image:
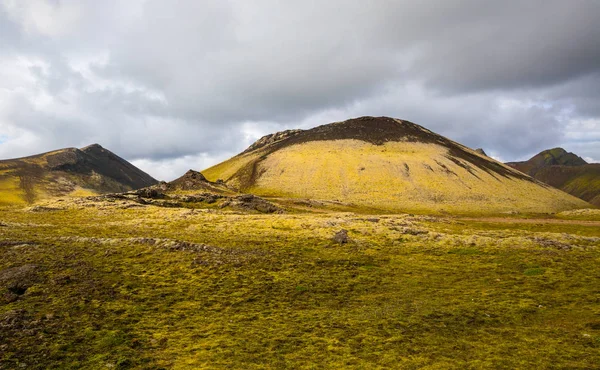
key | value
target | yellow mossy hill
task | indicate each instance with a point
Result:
(387, 164)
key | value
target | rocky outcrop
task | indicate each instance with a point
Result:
(272, 138)
(481, 151)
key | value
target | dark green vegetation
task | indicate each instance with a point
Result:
(565, 171)
(86, 171)
(153, 287)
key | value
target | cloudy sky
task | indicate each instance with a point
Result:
(175, 84)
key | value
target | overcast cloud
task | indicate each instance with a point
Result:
(172, 85)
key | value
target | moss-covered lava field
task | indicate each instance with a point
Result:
(145, 287)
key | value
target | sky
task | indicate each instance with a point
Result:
(173, 84)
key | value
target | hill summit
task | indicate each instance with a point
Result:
(385, 163)
(71, 171)
(550, 157)
(565, 171)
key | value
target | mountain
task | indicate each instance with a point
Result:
(565, 171)
(385, 163)
(86, 171)
(550, 157)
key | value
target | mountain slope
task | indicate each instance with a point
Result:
(550, 157)
(387, 164)
(565, 171)
(71, 171)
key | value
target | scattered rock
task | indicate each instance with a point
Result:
(131, 205)
(552, 243)
(177, 245)
(411, 231)
(341, 237)
(149, 193)
(252, 203)
(209, 198)
(18, 279)
(43, 209)
(272, 138)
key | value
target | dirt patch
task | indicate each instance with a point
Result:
(29, 176)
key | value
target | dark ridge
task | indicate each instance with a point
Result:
(550, 157)
(565, 171)
(481, 151)
(377, 131)
(10, 161)
(559, 156)
(92, 148)
(68, 159)
(271, 138)
(466, 167)
(95, 158)
(91, 167)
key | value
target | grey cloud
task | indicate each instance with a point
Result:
(9, 31)
(162, 81)
(291, 60)
(498, 124)
(515, 44)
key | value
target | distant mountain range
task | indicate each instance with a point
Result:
(565, 171)
(385, 163)
(86, 171)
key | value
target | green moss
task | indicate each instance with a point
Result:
(534, 271)
(274, 291)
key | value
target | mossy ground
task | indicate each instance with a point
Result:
(10, 194)
(116, 288)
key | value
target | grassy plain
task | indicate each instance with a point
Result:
(145, 287)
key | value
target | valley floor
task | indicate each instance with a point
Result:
(150, 287)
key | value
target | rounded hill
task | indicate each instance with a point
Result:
(385, 163)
